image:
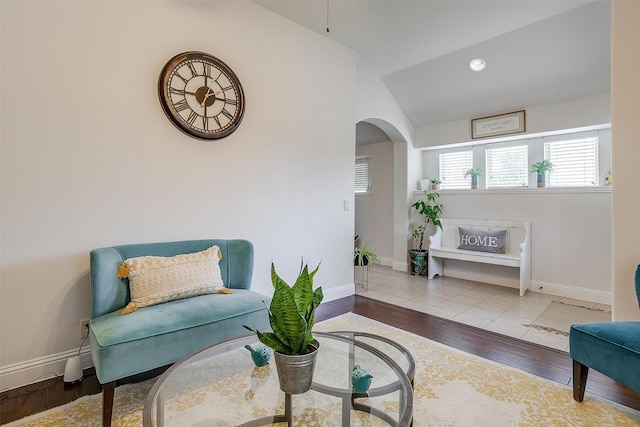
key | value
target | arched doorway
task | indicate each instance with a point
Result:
(402, 170)
(373, 211)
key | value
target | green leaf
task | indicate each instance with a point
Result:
(278, 331)
(285, 317)
(270, 340)
(318, 296)
(274, 277)
(302, 336)
(303, 291)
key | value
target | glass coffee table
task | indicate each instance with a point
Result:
(221, 386)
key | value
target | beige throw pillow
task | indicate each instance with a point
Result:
(156, 279)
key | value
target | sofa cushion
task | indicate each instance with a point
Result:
(165, 319)
(157, 279)
(161, 334)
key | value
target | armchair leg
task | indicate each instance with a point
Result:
(108, 391)
(580, 373)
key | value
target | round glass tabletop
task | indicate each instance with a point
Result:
(221, 386)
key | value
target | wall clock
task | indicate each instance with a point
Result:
(201, 95)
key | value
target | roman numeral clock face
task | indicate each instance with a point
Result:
(201, 95)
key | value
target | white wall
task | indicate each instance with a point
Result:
(376, 105)
(570, 238)
(625, 93)
(374, 211)
(89, 159)
(571, 228)
(578, 113)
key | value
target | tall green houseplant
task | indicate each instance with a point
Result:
(431, 210)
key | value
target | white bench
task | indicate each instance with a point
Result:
(444, 244)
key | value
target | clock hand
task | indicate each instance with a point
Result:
(206, 96)
(204, 118)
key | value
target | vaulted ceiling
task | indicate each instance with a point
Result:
(537, 51)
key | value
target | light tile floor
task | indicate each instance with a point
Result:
(491, 307)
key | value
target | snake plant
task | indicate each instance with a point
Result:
(291, 313)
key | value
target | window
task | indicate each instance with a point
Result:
(363, 174)
(452, 169)
(581, 158)
(507, 166)
(575, 162)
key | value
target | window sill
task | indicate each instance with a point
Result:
(546, 190)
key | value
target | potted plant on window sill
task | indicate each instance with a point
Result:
(435, 184)
(540, 169)
(428, 207)
(291, 316)
(474, 173)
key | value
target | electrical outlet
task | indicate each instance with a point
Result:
(84, 328)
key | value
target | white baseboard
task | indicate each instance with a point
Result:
(40, 369)
(387, 262)
(339, 292)
(568, 291)
(556, 289)
(483, 277)
(400, 266)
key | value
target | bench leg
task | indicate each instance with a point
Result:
(108, 391)
(434, 266)
(580, 373)
(525, 276)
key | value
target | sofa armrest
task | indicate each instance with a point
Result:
(238, 263)
(108, 293)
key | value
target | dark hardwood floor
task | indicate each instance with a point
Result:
(533, 358)
(545, 362)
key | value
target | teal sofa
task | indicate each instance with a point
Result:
(123, 345)
(611, 348)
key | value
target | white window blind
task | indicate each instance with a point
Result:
(507, 166)
(363, 174)
(452, 169)
(575, 162)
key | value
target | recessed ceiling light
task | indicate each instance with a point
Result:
(477, 64)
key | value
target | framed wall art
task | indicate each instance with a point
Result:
(501, 124)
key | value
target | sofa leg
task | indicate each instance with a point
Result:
(580, 373)
(108, 391)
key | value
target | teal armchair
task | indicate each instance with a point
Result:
(611, 348)
(159, 335)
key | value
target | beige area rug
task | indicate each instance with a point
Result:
(452, 388)
(559, 317)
